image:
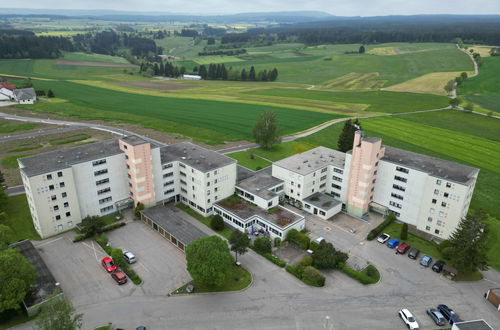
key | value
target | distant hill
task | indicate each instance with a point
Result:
(289, 17)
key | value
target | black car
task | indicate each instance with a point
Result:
(436, 316)
(438, 266)
(413, 253)
(448, 314)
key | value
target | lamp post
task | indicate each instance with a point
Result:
(327, 318)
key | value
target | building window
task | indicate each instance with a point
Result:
(397, 196)
(441, 213)
(104, 200)
(99, 162)
(399, 178)
(431, 211)
(103, 181)
(68, 214)
(49, 176)
(107, 208)
(105, 190)
(215, 172)
(336, 170)
(322, 178)
(402, 169)
(59, 174)
(324, 170)
(439, 222)
(192, 170)
(169, 191)
(446, 195)
(168, 175)
(322, 186)
(70, 224)
(438, 182)
(336, 186)
(434, 201)
(59, 227)
(395, 186)
(429, 219)
(66, 204)
(182, 165)
(58, 217)
(395, 204)
(336, 178)
(427, 228)
(436, 231)
(62, 185)
(443, 204)
(51, 187)
(64, 195)
(56, 207)
(448, 185)
(53, 197)
(101, 172)
(164, 167)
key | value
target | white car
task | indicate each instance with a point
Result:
(408, 319)
(129, 257)
(383, 238)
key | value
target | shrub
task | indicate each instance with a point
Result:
(327, 257)
(306, 261)
(102, 240)
(447, 253)
(372, 234)
(313, 246)
(371, 271)
(91, 225)
(404, 231)
(390, 218)
(81, 237)
(290, 236)
(293, 270)
(302, 241)
(369, 275)
(277, 242)
(274, 259)
(112, 226)
(262, 245)
(217, 223)
(313, 277)
(138, 208)
(117, 256)
(443, 245)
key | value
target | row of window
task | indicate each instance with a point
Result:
(103, 191)
(59, 175)
(448, 184)
(398, 187)
(103, 181)
(107, 208)
(56, 207)
(168, 191)
(54, 197)
(434, 201)
(397, 196)
(400, 178)
(395, 204)
(428, 228)
(98, 162)
(101, 172)
(402, 169)
(61, 185)
(68, 214)
(105, 200)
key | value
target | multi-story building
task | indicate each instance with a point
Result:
(63, 187)
(429, 193)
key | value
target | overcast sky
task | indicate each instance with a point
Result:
(335, 7)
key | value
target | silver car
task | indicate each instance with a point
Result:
(129, 257)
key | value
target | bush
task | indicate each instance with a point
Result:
(262, 245)
(217, 223)
(79, 238)
(313, 277)
(117, 256)
(277, 242)
(447, 253)
(290, 236)
(369, 275)
(302, 241)
(293, 270)
(404, 232)
(102, 239)
(306, 261)
(372, 234)
(371, 271)
(274, 259)
(443, 245)
(138, 208)
(313, 246)
(112, 226)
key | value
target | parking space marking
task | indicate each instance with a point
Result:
(93, 249)
(142, 265)
(49, 242)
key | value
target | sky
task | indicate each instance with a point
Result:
(335, 7)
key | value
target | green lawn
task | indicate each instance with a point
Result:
(238, 279)
(78, 56)
(11, 161)
(226, 232)
(9, 127)
(244, 158)
(376, 101)
(181, 46)
(493, 243)
(490, 101)
(19, 219)
(425, 247)
(204, 120)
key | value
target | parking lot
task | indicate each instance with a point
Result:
(77, 265)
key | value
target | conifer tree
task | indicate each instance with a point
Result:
(251, 75)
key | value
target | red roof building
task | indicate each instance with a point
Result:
(7, 85)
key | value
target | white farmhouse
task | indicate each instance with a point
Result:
(24, 95)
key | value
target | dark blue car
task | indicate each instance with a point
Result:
(393, 242)
(448, 314)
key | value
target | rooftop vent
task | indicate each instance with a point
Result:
(298, 168)
(209, 164)
(189, 158)
(400, 159)
(183, 157)
(321, 156)
(305, 161)
(258, 189)
(197, 161)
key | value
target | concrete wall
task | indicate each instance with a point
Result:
(322, 213)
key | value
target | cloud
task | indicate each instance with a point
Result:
(335, 7)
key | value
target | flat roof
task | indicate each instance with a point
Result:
(322, 201)
(279, 216)
(171, 220)
(59, 159)
(259, 183)
(243, 173)
(45, 283)
(434, 166)
(133, 140)
(473, 325)
(312, 160)
(200, 158)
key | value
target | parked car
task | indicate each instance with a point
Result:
(448, 313)
(108, 264)
(438, 266)
(129, 257)
(383, 238)
(403, 248)
(393, 242)
(408, 319)
(436, 316)
(119, 277)
(413, 253)
(426, 261)
(319, 240)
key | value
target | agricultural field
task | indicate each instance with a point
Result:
(181, 46)
(432, 83)
(78, 56)
(483, 89)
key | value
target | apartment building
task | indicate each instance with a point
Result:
(429, 193)
(63, 187)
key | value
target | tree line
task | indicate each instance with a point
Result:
(220, 72)
(165, 69)
(30, 46)
(231, 52)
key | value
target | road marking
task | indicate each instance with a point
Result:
(496, 283)
(49, 242)
(142, 265)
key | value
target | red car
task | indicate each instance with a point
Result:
(119, 277)
(402, 248)
(108, 264)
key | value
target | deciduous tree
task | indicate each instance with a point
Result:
(262, 245)
(362, 49)
(208, 260)
(267, 131)
(57, 314)
(239, 243)
(326, 257)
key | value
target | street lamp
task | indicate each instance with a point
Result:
(327, 326)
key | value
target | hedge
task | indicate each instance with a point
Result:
(363, 276)
(293, 270)
(274, 259)
(298, 238)
(81, 237)
(309, 275)
(378, 230)
(112, 226)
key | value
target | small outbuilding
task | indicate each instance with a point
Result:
(25, 95)
(45, 287)
(191, 77)
(171, 225)
(472, 325)
(493, 296)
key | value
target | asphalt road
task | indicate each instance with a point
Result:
(39, 133)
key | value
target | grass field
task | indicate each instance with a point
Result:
(378, 101)
(9, 127)
(488, 80)
(354, 81)
(489, 101)
(181, 46)
(78, 56)
(425, 246)
(493, 243)
(432, 83)
(19, 219)
(245, 159)
(210, 121)
(216, 59)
